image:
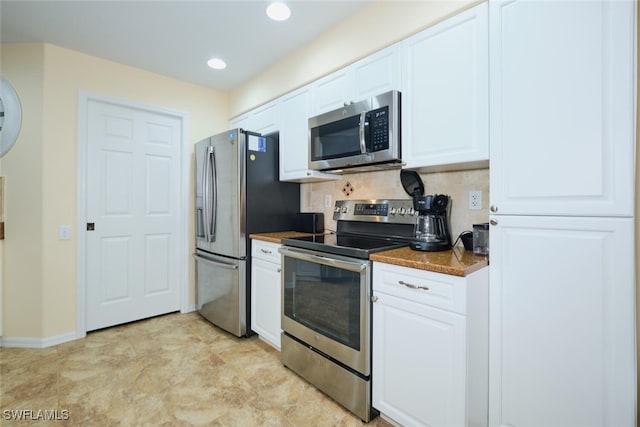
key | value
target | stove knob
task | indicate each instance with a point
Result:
(336, 209)
(344, 209)
(410, 211)
(402, 211)
(392, 211)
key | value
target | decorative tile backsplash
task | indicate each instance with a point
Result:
(386, 185)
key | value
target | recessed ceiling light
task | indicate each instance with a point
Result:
(217, 64)
(278, 11)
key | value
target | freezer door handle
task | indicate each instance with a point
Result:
(215, 263)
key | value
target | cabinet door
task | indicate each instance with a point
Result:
(332, 91)
(562, 107)
(294, 139)
(265, 300)
(445, 95)
(239, 122)
(418, 363)
(562, 322)
(264, 119)
(377, 73)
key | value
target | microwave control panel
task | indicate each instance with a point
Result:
(379, 129)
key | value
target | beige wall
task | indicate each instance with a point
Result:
(41, 172)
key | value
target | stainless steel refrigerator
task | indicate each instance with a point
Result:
(238, 192)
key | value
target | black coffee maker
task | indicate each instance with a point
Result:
(434, 215)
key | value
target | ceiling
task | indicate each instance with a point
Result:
(175, 37)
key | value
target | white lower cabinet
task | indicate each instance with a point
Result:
(562, 322)
(265, 291)
(430, 347)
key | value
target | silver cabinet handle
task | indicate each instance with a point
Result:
(264, 251)
(493, 222)
(493, 208)
(412, 286)
(279, 269)
(374, 298)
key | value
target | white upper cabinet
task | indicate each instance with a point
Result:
(375, 74)
(294, 139)
(445, 94)
(562, 107)
(239, 122)
(332, 91)
(264, 119)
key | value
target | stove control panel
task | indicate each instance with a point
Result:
(376, 210)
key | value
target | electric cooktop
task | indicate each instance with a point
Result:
(344, 244)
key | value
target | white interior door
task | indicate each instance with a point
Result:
(132, 213)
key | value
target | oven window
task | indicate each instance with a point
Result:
(336, 139)
(324, 299)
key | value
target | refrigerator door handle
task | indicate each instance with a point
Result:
(214, 207)
(209, 195)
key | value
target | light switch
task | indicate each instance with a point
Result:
(64, 232)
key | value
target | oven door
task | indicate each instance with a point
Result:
(326, 304)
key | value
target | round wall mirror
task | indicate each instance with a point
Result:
(10, 116)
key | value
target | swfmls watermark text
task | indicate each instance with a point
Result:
(35, 414)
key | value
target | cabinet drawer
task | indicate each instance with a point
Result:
(265, 250)
(435, 289)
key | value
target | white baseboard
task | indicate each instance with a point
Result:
(37, 342)
(189, 309)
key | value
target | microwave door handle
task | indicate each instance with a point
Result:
(363, 144)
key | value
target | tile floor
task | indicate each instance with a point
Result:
(173, 370)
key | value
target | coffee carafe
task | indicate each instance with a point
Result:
(434, 213)
(432, 231)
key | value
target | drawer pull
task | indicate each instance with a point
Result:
(409, 285)
(264, 251)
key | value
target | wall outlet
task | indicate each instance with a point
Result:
(327, 200)
(475, 200)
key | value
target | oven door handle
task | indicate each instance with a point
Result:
(356, 266)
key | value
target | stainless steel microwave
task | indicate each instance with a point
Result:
(360, 134)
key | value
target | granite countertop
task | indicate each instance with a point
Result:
(456, 262)
(277, 236)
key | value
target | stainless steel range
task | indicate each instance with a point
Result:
(326, 291)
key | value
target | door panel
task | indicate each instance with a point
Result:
(562, 322)
(229, 183)
(132, 198)
(219, 296)
(562, 99)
